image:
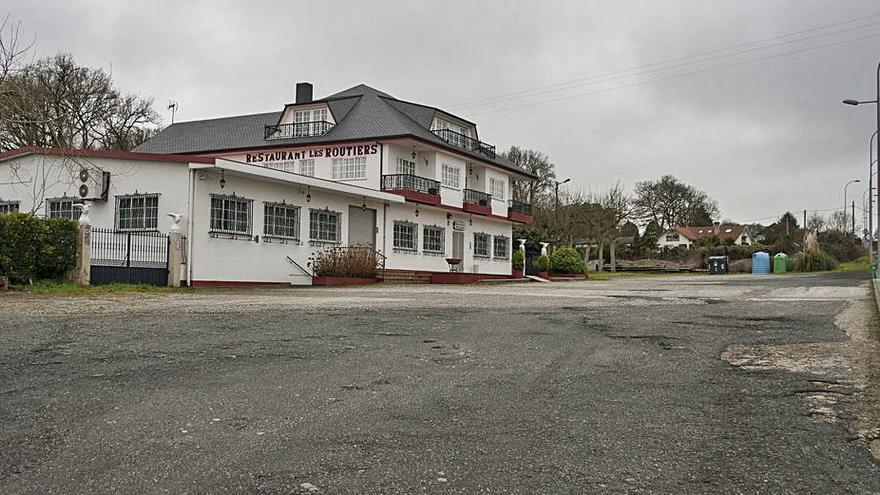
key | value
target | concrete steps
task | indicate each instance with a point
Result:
(405, 277)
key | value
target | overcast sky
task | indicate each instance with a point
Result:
(755, 121)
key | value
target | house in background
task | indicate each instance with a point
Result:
(686, 237)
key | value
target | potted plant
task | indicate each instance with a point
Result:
(544, 266)
(517, 262)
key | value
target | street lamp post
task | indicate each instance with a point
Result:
(854, 181)
(556, 185)
(877, 132)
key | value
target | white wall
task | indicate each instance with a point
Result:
(168, 179)
(420, 260)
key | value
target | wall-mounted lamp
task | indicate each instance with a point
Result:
(222, 179)
(417, 210)
(309, 194)
(364, 204)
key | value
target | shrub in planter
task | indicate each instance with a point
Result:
(566, 260)
(34, 248)
(544, 263)
(813, 261)
(517, 261)
(354, 262)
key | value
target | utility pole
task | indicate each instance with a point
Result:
(854, 217)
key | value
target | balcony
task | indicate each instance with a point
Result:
(298, 130)
(459, 140)
(477, 202)
(519, 212)
(413, 188)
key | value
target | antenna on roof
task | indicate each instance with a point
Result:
(172, 105)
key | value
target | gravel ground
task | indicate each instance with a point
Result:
(578, 387)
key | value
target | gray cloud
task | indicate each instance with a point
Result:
(760, 137)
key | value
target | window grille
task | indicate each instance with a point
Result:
(324, 226)
(231, 215)
(481, 245)
(405, 236)
(62, 208)
(433, 239)
(137, 212)
(501, 247)
(9, 206)
(281, 220)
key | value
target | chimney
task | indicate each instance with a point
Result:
(717, 227)
(303, 92)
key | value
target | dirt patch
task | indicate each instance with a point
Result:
(846, 384)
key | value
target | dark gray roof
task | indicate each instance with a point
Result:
(360, 112)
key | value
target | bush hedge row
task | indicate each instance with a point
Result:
(33, 248)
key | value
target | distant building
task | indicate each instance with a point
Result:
(686, 237)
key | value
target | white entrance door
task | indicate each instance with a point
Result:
(361, 226)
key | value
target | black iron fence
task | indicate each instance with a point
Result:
(459, 140)
(519, 207)
(298, 129)
(477, 197)
(408, 182)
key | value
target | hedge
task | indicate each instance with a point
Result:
(566, 260)
(34, 248)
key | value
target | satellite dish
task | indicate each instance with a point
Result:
(83, 175)
(83, 191)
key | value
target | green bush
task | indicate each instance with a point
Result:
(566, 260)
(34, 248)
(813, 261)
(544, 263)
(516, 260)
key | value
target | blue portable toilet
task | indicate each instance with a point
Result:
(760, 263)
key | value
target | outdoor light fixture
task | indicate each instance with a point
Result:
(222, 179)
(850, 102)
(414, 154)
(309, 194)
(364, 204)
(417, 211)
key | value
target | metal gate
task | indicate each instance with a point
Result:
(531, 261)
(129, 257)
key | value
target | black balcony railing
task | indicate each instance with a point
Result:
(519, 207)
(299, 129)
(406, 182)
(459, 140)
(477, 197)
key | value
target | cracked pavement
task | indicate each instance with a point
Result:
(734, 384)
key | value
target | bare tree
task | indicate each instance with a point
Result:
(815, 222)
(672, 203)
(533, 191)
(839, 221)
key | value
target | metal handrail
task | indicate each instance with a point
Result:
(465, 142)
(298, 129)
(291, 260)
(477, 197)
(410, 183)
(519, 207)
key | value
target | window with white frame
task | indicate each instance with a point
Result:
(451, 176)
(231, 215)
(281, 220)
(286, 165)
(324, 226)
(307, 167)
(62, 208)
(433, 240)
(481, 245)
(501, 247)
(350, 168)
(405, 236)
(496, 188)
(406, 167)
(310, 122)
(9, 206)
(137, 212)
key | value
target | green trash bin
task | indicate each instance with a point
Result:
(780, 263)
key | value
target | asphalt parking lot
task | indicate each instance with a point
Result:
(738, 384)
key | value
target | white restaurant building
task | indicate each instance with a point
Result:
(260, 194)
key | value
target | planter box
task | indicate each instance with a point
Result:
(544, 275)
(517, 273)
(325, 281)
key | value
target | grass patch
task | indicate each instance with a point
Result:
(859, 265)
(68, 289)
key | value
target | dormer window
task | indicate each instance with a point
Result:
(461, 136)
(305, 122)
